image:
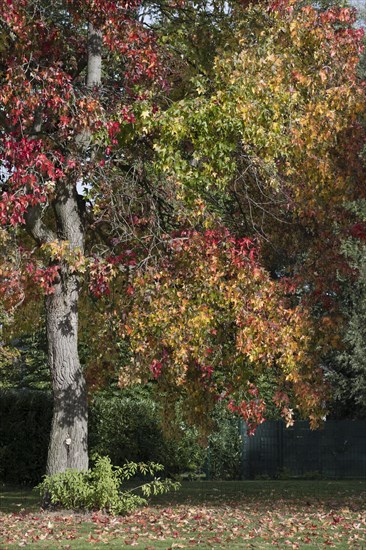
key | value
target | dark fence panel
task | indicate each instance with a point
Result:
(338, 450)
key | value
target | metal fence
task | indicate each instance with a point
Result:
(338, 450)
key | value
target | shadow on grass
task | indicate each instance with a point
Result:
(219, 493)
(16, 499)
(236, 493)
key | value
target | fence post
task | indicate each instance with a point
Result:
(279, 430)
(245, 454)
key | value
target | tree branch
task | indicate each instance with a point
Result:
(35, 226)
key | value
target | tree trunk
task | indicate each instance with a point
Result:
(69, 433)
(68, 446)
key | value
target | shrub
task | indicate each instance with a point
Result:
(126, 426)
(100, 488)
(225, 446)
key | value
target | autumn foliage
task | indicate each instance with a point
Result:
(92, 170)
(49, 115)
(209, 320)
(273, 112)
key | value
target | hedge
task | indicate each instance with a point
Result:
(123, 425)
(25, 423)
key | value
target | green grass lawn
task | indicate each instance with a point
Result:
(232, 515)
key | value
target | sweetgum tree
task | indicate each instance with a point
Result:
(258, 128)
(71, 73)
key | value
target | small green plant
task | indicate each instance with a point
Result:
(313, 474)
(100, 488)
(284, 474)
(263, 477)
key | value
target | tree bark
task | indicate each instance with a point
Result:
(94, 57)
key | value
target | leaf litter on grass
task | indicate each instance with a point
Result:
(188, 527)
(263, 522)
